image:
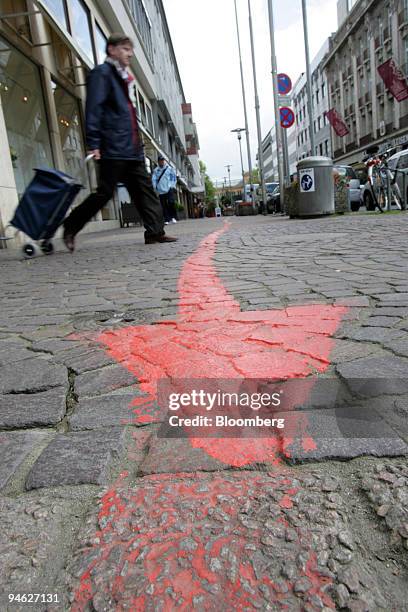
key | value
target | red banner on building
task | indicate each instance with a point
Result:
(394, 79)
(337, 122)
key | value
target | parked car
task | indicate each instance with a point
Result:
(397, 162)
(353, 184)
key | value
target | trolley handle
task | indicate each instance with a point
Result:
(81, 176)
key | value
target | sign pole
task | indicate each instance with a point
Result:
(278, 129)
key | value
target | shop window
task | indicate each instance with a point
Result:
(58, 9)
(24, 115)
(80, 27)
(71, 134)
(100, 43)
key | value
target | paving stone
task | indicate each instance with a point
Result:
(379, 321)
(33, 409)
(101, 382)
(343, 433)
(12, 355)
(373, 376)
(177, 455)
(103, 411)
(347, 350)
(400, 347)
(31, 375)
(77, 458)
(374, 334)
(15, 446)
(85, 362)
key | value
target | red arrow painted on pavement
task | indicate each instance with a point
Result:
(211, 338)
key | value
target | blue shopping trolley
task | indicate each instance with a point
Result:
(43, 207)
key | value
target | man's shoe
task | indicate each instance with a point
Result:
(166, 223)
(174, 220)
(69, 241)
(159, 239)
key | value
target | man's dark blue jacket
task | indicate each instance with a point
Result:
(111, 123)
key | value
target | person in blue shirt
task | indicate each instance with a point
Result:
(164, 181)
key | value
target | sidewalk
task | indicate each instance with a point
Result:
(98, 510)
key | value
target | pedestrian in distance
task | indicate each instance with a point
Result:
(164, 181)
(114, 140)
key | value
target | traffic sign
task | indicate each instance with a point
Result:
(307, 180)
(284, 84)
(284, 100)
(287, 117)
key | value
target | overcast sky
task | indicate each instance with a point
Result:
(205, 42)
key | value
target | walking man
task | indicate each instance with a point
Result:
(113, 137)
(164, 182)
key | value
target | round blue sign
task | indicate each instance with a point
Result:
(307, 182)
(287, 117)
(284, 84)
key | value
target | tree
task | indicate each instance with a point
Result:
(209, 186)
(255, 176)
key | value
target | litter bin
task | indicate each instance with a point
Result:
(316, 186)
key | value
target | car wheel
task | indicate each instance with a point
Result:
(355, 207)
(368, 201)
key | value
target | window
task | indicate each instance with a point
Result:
(403, 162)
(326, 147)
(319, 123)
(80, 27)
(142, 107)
(69, 124)
(149, 120)
(317, 96)
(24, 115)
(321, 148)
(139, 13)
(100, 44)
(57, 8)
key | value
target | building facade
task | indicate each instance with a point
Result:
(370, 33)
(47, 48)
(320, 105)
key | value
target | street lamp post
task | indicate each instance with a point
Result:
(258, 118)
(228, 167)
(278, 127)
(308, 79)
(238, 132)
(245, 106)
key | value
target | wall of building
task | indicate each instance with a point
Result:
(372, 33)
(320, 105)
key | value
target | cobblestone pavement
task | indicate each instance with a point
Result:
(104, 514)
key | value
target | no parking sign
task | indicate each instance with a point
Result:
(307, 180)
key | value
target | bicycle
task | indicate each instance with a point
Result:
(382, 181)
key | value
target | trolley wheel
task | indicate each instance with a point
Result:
(29, 250)
(47, 247)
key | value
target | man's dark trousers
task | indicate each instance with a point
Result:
(168, 205)
(134, 176)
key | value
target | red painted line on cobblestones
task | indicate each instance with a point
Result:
(160, 562)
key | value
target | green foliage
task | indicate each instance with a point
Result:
(255, 176)
(209, 186)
